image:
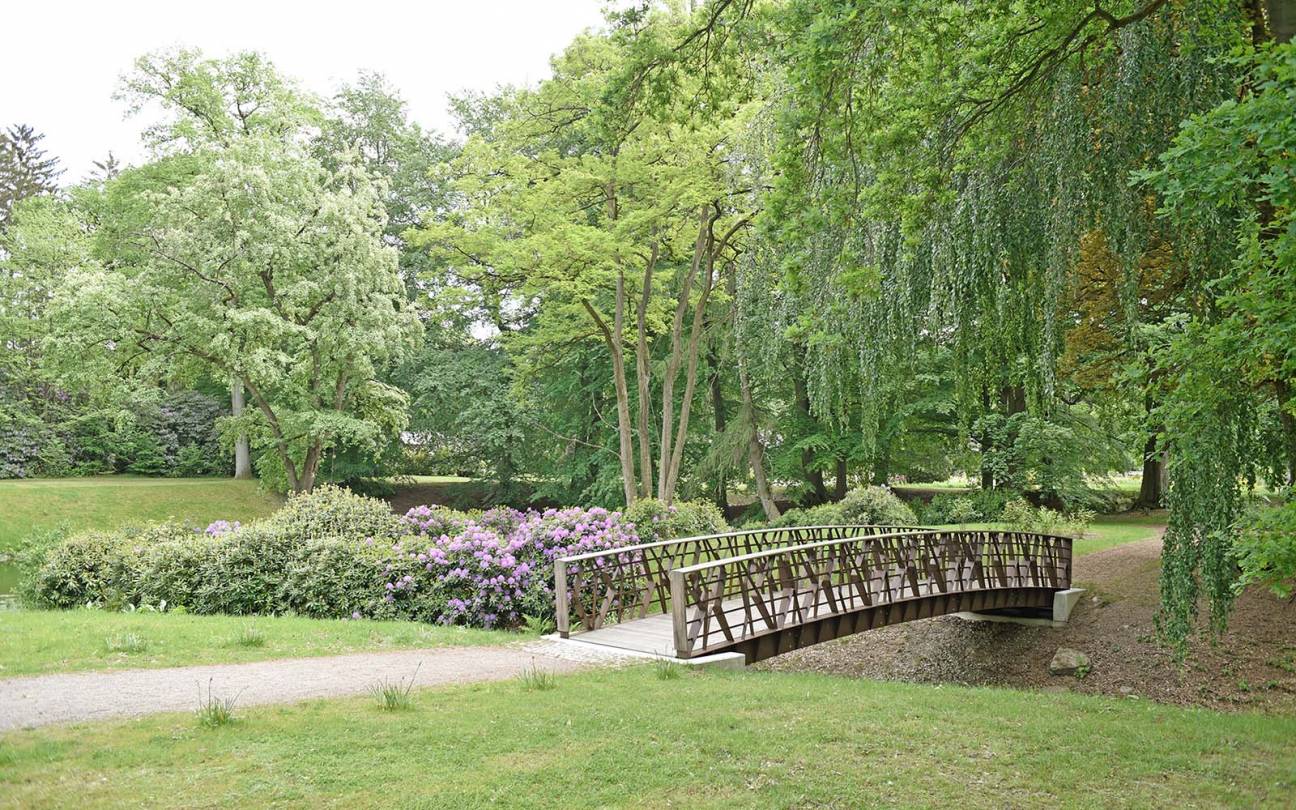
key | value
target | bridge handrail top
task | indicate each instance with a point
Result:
(589, 555)
(755, 555)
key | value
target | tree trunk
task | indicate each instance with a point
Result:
(310, 468)
(281, 442)
(721, 492)
(842, 485)
(1282, 19)
(755, 449)
(242, 453)
(643, 379)
(690, 384)
(756, 455)
(1151, 489)
(612, 339)
(677, 357)
(813, 475)
(1287, 421)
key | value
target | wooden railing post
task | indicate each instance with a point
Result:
(679, 614)
(563, 612)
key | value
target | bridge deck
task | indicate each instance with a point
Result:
(651, 635)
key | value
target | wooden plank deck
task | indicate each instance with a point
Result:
(653, 634)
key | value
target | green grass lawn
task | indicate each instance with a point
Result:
(40, 641)
(1107, 531)
(106, 502)
(631, 738)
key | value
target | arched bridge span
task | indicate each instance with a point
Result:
(770, 591)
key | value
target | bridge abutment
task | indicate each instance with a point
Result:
(1064, 602)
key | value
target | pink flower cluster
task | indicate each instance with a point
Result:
(493, 569)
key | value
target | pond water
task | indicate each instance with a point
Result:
(8, 586)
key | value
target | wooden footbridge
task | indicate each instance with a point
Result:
(766, 592)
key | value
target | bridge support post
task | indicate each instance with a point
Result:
(562, 613)
(679, 614)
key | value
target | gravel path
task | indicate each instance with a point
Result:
(45, 699)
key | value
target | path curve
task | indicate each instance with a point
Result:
(26, 702)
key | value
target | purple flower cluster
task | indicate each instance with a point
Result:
(221, 527)
(491, 569)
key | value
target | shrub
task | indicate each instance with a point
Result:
(336, 577)
(875, 505)
(963, 510)
(484, 577)
(653, 520)
(490, 570)
(331, 511)
(825, 514)
(434, 520)
(92, 568)
(989, 503)
(1019, 515)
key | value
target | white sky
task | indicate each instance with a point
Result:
(62, 59)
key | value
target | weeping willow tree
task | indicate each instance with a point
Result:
(938, 169)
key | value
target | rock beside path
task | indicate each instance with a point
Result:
(1067, 661)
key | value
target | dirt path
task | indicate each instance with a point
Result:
(1252, 667)
(75, 697)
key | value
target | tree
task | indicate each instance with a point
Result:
(211, 104)
(369, 120)
(236, 255)
(613, 222)
(25, 171)
(1230, 169)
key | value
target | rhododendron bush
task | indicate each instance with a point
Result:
(494, 569)
(332, 554)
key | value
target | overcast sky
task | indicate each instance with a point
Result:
(62, 59)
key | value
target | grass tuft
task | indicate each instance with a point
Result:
(667, 670)
(128, 643)
(535, 679)
(213, 711)
(249, 637)
(394, 696)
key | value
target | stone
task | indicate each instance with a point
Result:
(1067, 661)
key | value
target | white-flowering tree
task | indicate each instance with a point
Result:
(252, 262)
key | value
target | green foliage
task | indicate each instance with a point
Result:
(946, 507)
(1019, 514)
(25, 170)
(654, 520)
(91, 568)
(875, 505)
(863, 506)
(1226, 185)
(239, 255)
(825, 514)
(332, 511)
(1266, 547)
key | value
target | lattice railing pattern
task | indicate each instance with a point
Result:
(719, 602)
(631, 582)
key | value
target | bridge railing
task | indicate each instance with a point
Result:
(718, 602)
(607, 587)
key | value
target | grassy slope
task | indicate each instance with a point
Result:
(110, 501)
(627, 737)
(38, 642)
